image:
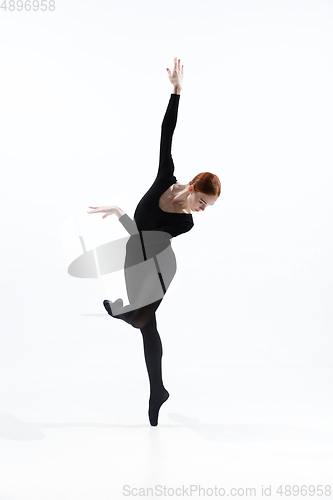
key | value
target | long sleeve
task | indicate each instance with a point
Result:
(168, 126)
(129, 224)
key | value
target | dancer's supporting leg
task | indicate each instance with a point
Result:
(153, 356)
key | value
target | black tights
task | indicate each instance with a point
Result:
(153, 355)
(144, 318)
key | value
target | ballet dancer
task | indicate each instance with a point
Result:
(163, 213)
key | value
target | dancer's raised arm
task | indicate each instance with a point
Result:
(170, 119)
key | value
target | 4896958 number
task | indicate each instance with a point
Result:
(304, 490)
(13, 5)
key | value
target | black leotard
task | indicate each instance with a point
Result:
(151, 232)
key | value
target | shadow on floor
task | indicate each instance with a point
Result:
(251, 432)
(16, 429)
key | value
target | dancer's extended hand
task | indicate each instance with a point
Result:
(176, 78)
(107, 210)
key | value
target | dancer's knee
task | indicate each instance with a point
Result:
(142, 316)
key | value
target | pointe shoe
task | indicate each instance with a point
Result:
(115, 306)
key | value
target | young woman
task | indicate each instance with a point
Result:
(163, 213)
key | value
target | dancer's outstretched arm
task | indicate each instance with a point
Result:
(128, 223)
(125, 220)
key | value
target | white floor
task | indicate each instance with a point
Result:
(74, 421)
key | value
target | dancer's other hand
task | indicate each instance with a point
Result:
(176, 78)
(107, 211)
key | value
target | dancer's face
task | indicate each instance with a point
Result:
(199, 201)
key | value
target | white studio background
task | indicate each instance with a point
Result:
(247, 323)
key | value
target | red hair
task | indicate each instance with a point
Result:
(207, 183)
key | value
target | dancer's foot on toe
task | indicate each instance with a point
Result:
(155, 404)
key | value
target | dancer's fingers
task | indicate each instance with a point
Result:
(95, 211)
